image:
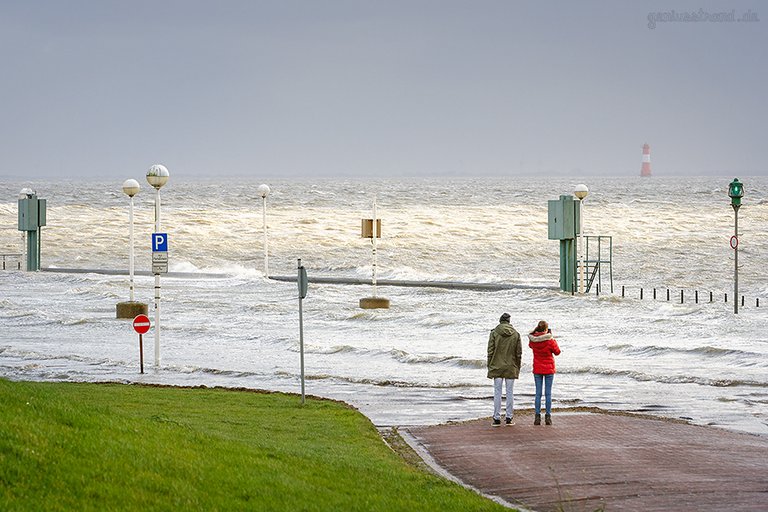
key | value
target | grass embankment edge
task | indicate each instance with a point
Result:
(77, 446)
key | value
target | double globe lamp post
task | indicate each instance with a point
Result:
(157, 176)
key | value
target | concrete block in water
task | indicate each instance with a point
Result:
(130, 309)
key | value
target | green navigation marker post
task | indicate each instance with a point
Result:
(735, 192)
(563, 224)
(32, 216)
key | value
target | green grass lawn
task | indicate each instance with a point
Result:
(102, 447)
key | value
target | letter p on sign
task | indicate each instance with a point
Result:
(159, 242)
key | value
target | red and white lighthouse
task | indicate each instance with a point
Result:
(645, 170)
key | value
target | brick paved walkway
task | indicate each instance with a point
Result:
(590, 460)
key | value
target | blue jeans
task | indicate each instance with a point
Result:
(497, 397)
(547, 381)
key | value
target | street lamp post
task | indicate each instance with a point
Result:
(131, 188)
(130, 309)
(735, 192)
(264, 192)
(581, 191)
(157, 176)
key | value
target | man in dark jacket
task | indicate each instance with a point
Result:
(504, 355)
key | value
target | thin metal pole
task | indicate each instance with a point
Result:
(736, 260)
(141, 352)
(610, 266)
(375, 232)
(130, 252)
(581, 245)
(157, 284)
(599, 261)
(264, 223)
(301, 337)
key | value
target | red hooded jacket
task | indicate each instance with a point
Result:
(544, 348)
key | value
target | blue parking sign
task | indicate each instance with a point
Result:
(159, 242)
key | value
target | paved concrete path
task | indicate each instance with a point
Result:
(590, 460)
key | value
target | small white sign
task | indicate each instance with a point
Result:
(160, 268)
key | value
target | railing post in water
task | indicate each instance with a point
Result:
(742, 301)
(654, 294)
(726, 298)
(667, 294)
(641, 293)
(696, 294)
(710, 296)
(682, 301)
(622, 290)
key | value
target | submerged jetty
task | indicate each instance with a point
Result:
(451, 285)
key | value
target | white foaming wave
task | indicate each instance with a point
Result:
(10, 351)
(399, 355)
(384, 382)
(664, 379)
(703, 351)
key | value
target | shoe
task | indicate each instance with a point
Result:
(509, 422)
(496, 423)
(537, 420)
(547, 419)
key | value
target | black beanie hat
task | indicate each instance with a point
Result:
(504, 318)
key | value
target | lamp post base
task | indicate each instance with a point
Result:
(374, 303)
(130, 309)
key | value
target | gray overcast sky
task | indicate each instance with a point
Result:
(390, 88)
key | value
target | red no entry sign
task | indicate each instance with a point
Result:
(141, 324)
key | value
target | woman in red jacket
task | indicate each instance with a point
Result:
(544, 348)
